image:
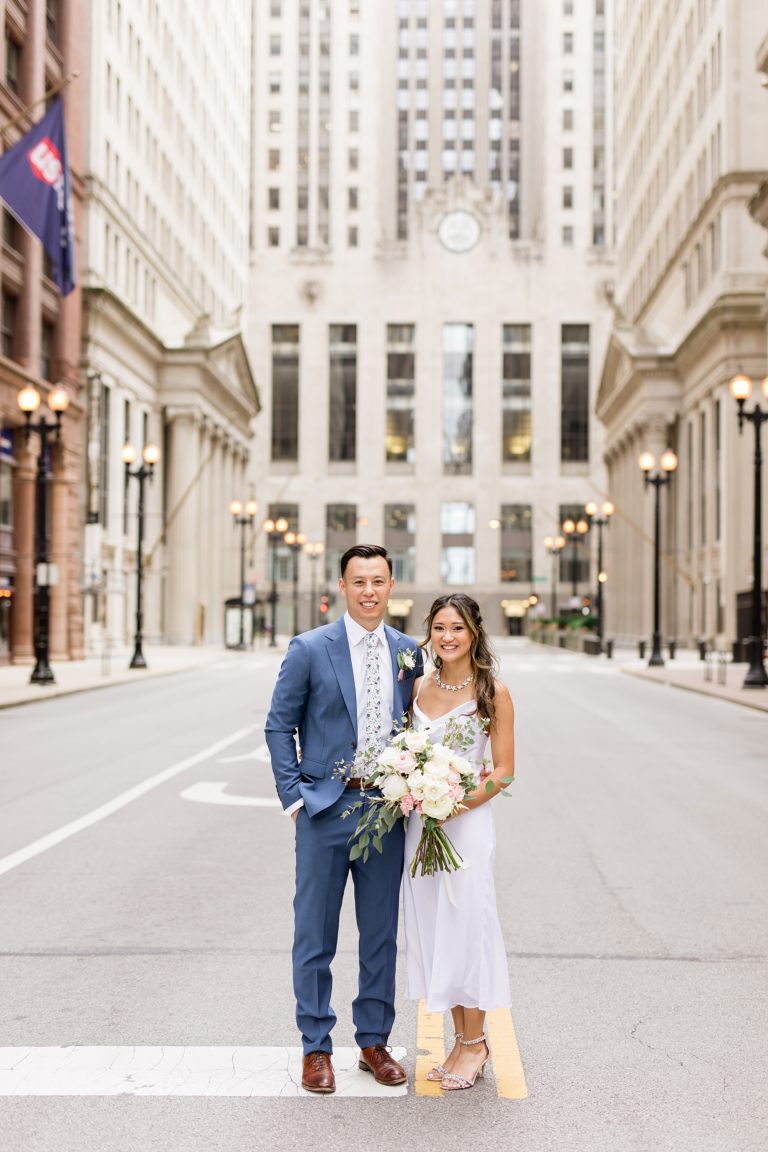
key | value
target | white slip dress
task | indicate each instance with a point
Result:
(455, 953)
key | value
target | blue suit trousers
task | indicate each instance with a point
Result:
(322, 868)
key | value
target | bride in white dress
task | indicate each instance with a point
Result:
(455, 954)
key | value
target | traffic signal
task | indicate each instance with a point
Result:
(323, 603)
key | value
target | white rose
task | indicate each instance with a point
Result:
(416, 741)
(439, 809)
(437, 768)
(416, 782)
(389, 758)
(461, 765)
(434, 788)
(441, 752)
(394, 788)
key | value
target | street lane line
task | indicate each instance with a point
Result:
(176, 1071)
(430, 1044)
(505, 1056)
(212, 792)
(112, 806)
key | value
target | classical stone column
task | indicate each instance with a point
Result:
(183, 525)
(220, 501)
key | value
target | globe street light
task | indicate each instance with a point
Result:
(295, 541)
(658, 477)
(274, 530)
(29, 400)
(242, 517)
(554, 545)
(601, 518)
(314, 552)
(575, 531)
(741, 389)
(145, 471)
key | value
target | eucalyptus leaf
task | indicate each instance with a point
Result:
(355, 851)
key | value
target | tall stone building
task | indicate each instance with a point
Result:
(40, 346)
(165, 281)
(432, 224)
(692, 151)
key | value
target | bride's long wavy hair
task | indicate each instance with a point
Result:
(484, 663)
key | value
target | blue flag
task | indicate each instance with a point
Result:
(35, 184)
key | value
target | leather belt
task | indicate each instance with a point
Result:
(358, 782)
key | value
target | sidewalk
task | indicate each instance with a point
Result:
(688, 673)
(103, 670)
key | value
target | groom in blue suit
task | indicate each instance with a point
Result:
(322, 694)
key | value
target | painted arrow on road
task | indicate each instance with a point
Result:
(212, 792)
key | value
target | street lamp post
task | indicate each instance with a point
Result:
(575, 531)
(295, 541)
(145, 471)
(741, 389)
(602, 520)
(554, 545)
(274, 530)
(242, 517)
(314, 552)
(29, 400)
(658, 477)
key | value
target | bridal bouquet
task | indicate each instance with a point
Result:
(416, 775)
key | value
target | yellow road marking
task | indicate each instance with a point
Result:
(430, 1042)
(507, 1065)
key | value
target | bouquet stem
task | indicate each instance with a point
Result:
(435, 853)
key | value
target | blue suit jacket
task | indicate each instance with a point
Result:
(315, 696)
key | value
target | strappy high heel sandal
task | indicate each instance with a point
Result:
(451, 1082)
(438, 1072)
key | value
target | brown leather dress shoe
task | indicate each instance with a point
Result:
(383, 1065)
(317, 1073)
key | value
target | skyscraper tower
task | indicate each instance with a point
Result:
(431, 232)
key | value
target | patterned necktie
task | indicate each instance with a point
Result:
(372, 694)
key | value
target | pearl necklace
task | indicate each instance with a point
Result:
(451, 687)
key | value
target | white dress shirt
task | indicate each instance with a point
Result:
(356, 635)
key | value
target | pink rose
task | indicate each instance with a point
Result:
(406, 804)
(455, 791)
(454, 777)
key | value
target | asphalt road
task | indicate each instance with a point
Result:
(631, 877)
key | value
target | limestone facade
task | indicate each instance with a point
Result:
(689, 308)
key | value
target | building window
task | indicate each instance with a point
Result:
(516, 394)
(401, 395)
(568, 196)
(703, 477)
(516, 560)
(273, 198)
(273, 237)
(567, 236)
(342, 441)
(352, 237)
(12, 63)
(568, 43)
(9, 324)
(354, 159)
(718, 463)
(458, 350)
(275, 83)
(568, 120)
(567, 157)
(457, 555)
(400, 540)
(47, 335)
(353, 199)
(285, 392)
(574, 399)
(340, 534)
(274, 160)
(6, 494)
(274, 46)
(52, 20)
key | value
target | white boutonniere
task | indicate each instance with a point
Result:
(406, 661)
